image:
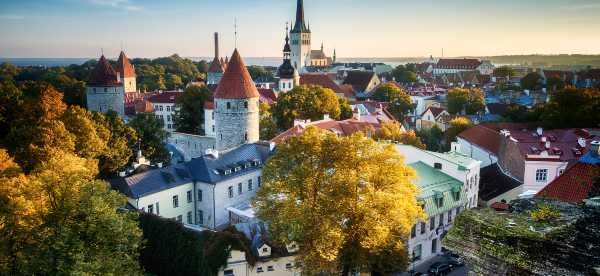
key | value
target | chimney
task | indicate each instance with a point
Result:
(326, 117)
(581, 142)
(595, 149)
(540, 131)
(122, 174)
(216, 45)
(455, 146)
(159, 165)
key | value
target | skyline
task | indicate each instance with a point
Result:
(63, 29)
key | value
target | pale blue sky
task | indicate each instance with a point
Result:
(357, 28)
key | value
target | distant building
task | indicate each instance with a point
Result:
(104, 90)
(302, 56)
(434, 116)
(318, 58)
(288, 75)
(126, 73)
(164, 108)
(217, 66)
(363, 82)
(445, 66)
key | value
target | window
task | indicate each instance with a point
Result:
(160, 108)
(168, 118)
(416, 254)
(456, 194)
(413, 231)
(228, 105)
(258, 182)
(228, 272)
(179, 218)
(259, 269)
(150, 208)
(432, 223)
(437, 166)
(200, 195)
(441, 219)
(246, 104)
(175, 201)
(230, 191)
(450, 216)
(250, 185)
(541, 175)
(434, 246)
(265, 250)
(288, 266)
(240, 188)
(200, 217)
(246, 136)
(439, 201)
(423, 227)
(168, 108)
(189, 196)
(157, 210)
(169, 126)
(189, 217)
(270, 268)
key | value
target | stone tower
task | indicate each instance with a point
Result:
(288, 75)
(236, 106)
(300, 36)
(126, 73)
(216, 69)
(104, 91)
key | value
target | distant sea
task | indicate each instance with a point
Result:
(261, 61)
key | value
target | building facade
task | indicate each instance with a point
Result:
(164, 108)
(104, 90)
(217, 66)
(288, 75)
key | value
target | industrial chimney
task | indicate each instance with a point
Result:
(216, 45)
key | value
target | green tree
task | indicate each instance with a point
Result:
(455, 127)
(504, 72)
(8, 71)
(432, 138)
(152, 136)
(467, 101)
(572, 107)
(555, 83)
(531, 81)
(173, 82)
(305, 102)
(189, 109)
(268, 128)
(259, 73)
(59, 221)
(327, 194)
(345, 108)
(405, 74)
(122, 140)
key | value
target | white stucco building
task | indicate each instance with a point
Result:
(163, 104)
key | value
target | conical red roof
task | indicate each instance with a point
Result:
(236, 82)
(215, 66)
(124, 67)
(103, 74)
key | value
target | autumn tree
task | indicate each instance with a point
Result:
(432, 138)
(268, 128)
(504, 72)
(344, 200)
(121, 142)
(152, 136)
(572, 107)
(305, 102)
(189, 109)
(455, 127)
(393, 131)
(465, 101)
(60, 221)
(400, 102)
(531, 81)
(90, 137)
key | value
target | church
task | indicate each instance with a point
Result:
(302, 56)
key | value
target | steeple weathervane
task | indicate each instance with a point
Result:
(300, 26)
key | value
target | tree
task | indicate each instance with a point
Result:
(260, 74)
(152, 136)
(555, 83)
(305, 102)
(8, 71)
(89, 136)
(173, 82)
(400, 101)
(345, 108)
(268, 128)
(455, 127)
(432, 137)
(344, 200)
(120, 144)
(189, 109)
(465, 101)
(59, 221)
(392, 131)
(531, 81)
(504, 72)
(572, 107)
(405, 74)
(386, 92)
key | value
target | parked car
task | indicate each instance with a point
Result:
(440, 268)
(454, 259)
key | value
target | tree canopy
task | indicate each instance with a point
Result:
(469, 101)
(305, 102)
(152, 136)
(572, 107)
(348, 202)
(189, 109)
(392, 131)
(531, 81)
(400, 102)
(504, 72)
(268, 128)
(405, 73)
(455, 127)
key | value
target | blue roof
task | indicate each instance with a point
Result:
(247, 158)
(588, 158)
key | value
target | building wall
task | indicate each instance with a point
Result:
(209, 122)
(238, 124)
(213, 78)
(165, 112)
(129, 84)
(554, 170)
(511, 161)
(300, 44)
(237, 263)
(165, 202)
(192, 146)
(103, 99)
(477, 153)
(286, 85)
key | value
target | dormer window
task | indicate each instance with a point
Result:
(265, 250)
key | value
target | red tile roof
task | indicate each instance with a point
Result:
(343, 128)
(236, 82)
(484, 137)
(436, 111)
(216, 66)
(124, 67)
(573, 185)
(323, 80)
(457, 63)
(165, 97)
(103, 74)
(267, 95)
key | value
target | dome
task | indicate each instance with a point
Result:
(286, 70)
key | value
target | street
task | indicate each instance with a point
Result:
(459, 271)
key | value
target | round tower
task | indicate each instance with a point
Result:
(236, 106)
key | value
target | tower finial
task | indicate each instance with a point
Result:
(235, 30)
(102, 51)
(121, 45)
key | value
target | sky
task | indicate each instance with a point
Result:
(355, 28)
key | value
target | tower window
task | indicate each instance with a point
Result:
(246, 104)
(228, 105)
(246, 136)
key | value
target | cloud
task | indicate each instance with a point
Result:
(11, 17)
(118, 4)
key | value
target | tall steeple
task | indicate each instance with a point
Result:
(300, 26)
(288, 76)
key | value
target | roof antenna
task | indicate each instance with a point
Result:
(235, 30)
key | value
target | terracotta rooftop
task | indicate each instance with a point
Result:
(124, 67)
(573, 185)
(165, 97)
(267, 95)
(483, 136)
(342, 128)
(323, 80)
(103, 74)
(458, 63)
(236, 82)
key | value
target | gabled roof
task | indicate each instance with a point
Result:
(484, 137)
(320, 79)
(103, 74)
(457, 63)
(236, 82)
(436, 111)
(216, 66)
(573, 185)
(360, 80)
(165, 97)
(267, 95)
(493, 182)
(124, 67)
(342, 128)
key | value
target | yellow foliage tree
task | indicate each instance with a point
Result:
(393, 131)
(347, 201)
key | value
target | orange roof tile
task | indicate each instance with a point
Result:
(236, 82)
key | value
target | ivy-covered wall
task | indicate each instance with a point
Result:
(494, 243)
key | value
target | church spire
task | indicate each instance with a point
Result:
(300, 26)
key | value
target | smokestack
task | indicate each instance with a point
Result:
(216, 44)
